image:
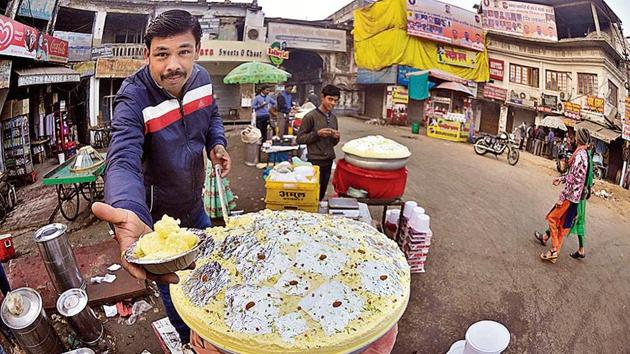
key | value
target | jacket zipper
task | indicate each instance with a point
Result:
(181, 112)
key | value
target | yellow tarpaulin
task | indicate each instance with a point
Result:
(381, 40)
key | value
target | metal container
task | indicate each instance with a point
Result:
(376, 164)
(58, 257)
(73, 304)
(81, 351)
(30, 326)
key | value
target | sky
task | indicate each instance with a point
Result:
(320, 9)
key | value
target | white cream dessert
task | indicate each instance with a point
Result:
(294, 282)
(376, 147)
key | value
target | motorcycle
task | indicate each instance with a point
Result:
(564, 155)
(497, 145)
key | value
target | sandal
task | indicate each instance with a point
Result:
(551, 256)
(577, 255)
(541, 238)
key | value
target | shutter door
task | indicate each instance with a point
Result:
(227, 96)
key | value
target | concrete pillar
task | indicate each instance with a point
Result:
(595, 18)
(503, 117)
(99, 28)
(94, 102)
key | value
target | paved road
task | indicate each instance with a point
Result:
(484, 263)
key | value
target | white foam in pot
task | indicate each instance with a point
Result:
(486, 337)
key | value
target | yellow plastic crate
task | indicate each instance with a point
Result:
(308, 208)
(293, 193)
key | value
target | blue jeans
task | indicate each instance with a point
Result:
(202, 222)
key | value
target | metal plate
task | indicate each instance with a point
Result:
(376, 164)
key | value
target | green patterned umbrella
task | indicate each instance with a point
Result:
(256, 73)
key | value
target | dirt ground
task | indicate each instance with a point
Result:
(483, 262)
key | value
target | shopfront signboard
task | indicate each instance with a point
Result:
(520, 18)
(495, 92)
(456, 56)
(119, 68)
(572, 110)
(105, 51)
(626, 121)
(307, 37)
(5, 73)
(86, 68)
(41, 9)
(595, 104)
(277, 54)
(51, 49)
(397, 100)
(79, 45)
(445, 23)
(497, 69)
(233, 51)
(17, 39)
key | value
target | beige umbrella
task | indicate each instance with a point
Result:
(454, 86)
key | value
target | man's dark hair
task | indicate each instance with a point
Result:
(331, 90)
(171, 23)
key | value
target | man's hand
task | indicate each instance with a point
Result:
(128, 228)
(220, 156)
(325, 132)
(336, 134)
(557, 181)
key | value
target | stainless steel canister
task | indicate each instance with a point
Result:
(57, 254)
(73, 304)
(29, 323)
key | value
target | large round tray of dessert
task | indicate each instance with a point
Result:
(293, 282)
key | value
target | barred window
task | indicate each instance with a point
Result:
(613, 94)
(587, 84)
(524, 75)
(557, 80)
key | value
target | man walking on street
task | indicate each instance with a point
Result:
(540, 140)
(319, 131)
(530, 138)
(261, 104)
(164, 119)
(285, 103)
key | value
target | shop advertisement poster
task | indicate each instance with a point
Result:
(455, 56)
(5, 73)
(86, 68)
(41, 9)
(497, 69)
(236, 51)
(403, 70)
(51, 49)
(79, 45)
(397, 99)
(445, 23)
(400, 95)
(306, 37)
(626, 121)
(572, 110)
(495, 92)
(595, 104)
(520, 18)
(17, 39)
(117, 68)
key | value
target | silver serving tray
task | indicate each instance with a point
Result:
(376, 164)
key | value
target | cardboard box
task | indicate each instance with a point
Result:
(21, 107)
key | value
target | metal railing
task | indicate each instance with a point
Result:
(135, 51)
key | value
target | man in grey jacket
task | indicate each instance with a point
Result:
(319, 131)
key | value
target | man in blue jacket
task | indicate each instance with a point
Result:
(164, 119)
(285, 103)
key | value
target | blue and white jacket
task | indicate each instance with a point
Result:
(155, 158)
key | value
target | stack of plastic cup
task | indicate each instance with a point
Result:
(483, 337)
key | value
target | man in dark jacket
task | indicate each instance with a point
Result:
(319, 131)
(164, 119)
(285, 103)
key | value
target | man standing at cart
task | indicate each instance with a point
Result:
(319, 131)
(164, 119)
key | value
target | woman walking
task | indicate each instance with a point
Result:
(564, 213)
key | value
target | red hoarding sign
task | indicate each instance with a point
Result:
(494, 92)
(445, 23)
(497, 69)
(17, 39)
(52, 49)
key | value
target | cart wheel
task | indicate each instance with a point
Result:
(86, 191)
(68, 198)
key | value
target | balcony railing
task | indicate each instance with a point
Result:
(135, 51)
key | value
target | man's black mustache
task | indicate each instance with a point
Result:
(172, 75)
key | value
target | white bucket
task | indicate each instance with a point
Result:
(486, 337)
(61, 157)
(457, 347)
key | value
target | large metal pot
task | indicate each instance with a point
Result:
(376, 164)
(30, 325)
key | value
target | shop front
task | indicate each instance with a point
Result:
(219, 58)
(491, 99)
(109, 76)
(520, 110)
(608, 149)
(375, 87)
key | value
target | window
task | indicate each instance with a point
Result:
(557, 80)
(524, 75)
(613, 94)
(587, 84)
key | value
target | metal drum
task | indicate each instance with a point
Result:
(73, 304)
(29, 324)
(58, 257)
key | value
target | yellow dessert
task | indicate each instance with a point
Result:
(293, 282)
(167, 240)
